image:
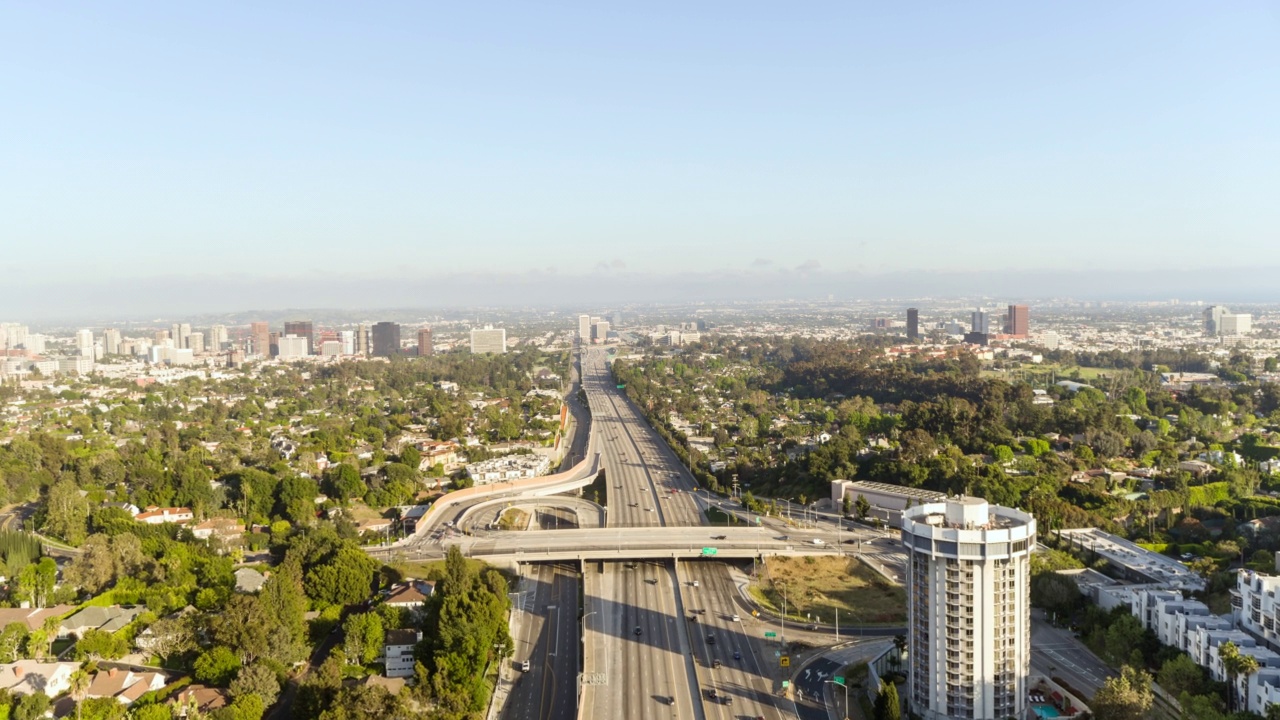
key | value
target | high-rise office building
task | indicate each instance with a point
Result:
(981, 323)
(302, 328)
(424, 342)
(13, 336)
(84, 343)
(293, 346)
(362, 339)
(1213, 319)
(1017, 321)
(385, 339)
(600, 332)
(273, 345)
(348, 340)
(217, 337)
(195, 342)
(913, 325)
(260, 333)
(1235, 324)
(968, 608)
(111, 341)
(584, 328)
(488, 340)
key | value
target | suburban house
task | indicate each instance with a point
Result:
(26, 677)
(33, 618)
(205, 699)
(96, 617)
(410, 594)
(157, 515)
(397, 652)
(124, 685)
(220, 528)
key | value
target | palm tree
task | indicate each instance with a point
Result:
(1236, 664)
(79, 688)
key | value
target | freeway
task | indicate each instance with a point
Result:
(546, 636)
(734, 669)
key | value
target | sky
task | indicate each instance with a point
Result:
(259, 153)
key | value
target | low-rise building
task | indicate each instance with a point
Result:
(153, 515)
(249, 580)
(508, 467)
(410, 594)
(27, 677)
(125, 686)
(96, 617)
(218, 528)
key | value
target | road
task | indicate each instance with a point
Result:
(814, 688)
(545, 632)
(1056, 652)
(742, 683)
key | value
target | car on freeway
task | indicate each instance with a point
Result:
(637, 629)
(695, 583)
(711, 639)
(735, 618)
(719, 537)
(715, 663)
(737, 655)
(648, 509)
(524, 666)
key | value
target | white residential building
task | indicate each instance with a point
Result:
(397, 652)
(84, 343)
(584, 328)
(508, 467)
(968, 608)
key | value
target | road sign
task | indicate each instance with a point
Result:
(785, 661)
(706, 551)
(771, 634)
(839, 679)
(786, 683)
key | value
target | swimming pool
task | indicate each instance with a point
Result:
(1045, 710)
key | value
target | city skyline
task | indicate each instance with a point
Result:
(745, 142)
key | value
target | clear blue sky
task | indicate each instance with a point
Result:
(350, 139)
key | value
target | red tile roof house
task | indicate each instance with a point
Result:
(157, 515)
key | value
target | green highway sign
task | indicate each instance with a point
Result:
(771, 634)
(786, 683)
(708, 551)
(839, 680)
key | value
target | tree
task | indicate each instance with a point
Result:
(410, 456)
(848, 504)
(97, 645)
(216, 666)
(1180, 674)
(11, 640)
(1237, 665)
(259, 680)
(1054, 592)
(171, 636)
(863, 507)
(887, 706)
(1127, 697)
(1002, 454)
(364, 636)
(79, 686)
(95, 567)
(66, 511)
(345, 580)
(343, 483)
(31, 706)
(36, 581)
(282, 599)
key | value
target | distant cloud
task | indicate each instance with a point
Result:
(618, 264)
(761, 263)
(809, 266)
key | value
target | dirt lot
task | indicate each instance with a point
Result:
(821, 585)
(514, 519)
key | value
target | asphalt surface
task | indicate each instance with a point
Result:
(545, 632)
(1056, 652)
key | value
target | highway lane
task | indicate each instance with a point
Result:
(654, 484)
(546, 636)
(743, 685)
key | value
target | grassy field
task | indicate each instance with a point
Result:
(514, 519)
(819, 586)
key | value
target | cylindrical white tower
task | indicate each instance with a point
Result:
(968, 608)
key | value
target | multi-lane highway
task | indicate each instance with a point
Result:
(546, 637)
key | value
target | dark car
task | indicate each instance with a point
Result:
(711, 639)
(715, 663)
(637, 629)
(719, 537)
(737, 655)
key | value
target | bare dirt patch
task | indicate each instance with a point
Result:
(818, 586)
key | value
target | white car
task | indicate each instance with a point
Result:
(817, 541)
